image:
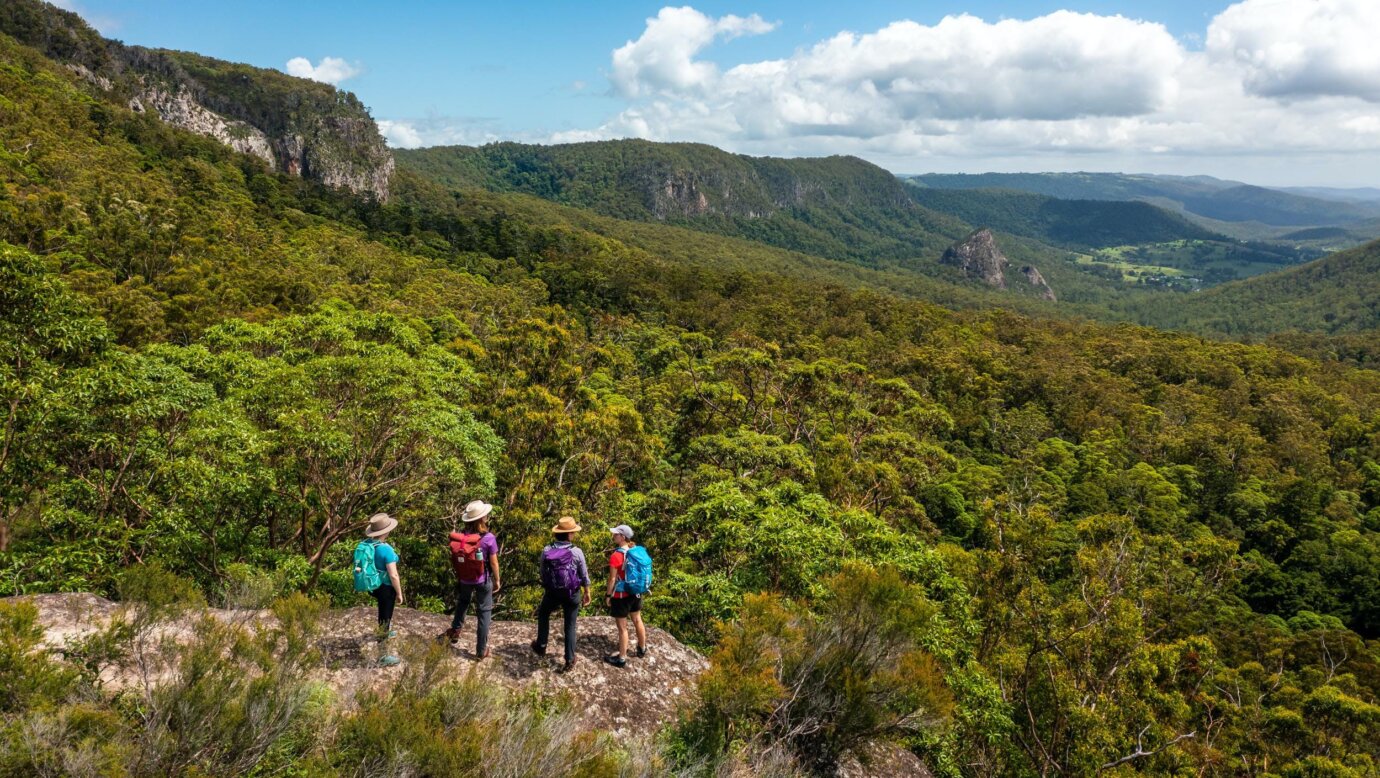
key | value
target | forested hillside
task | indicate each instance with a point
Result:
(1074, 223)
(836, 207)
(1337, 294)
(1017, 546)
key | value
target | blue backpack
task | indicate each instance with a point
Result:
(637, 571)
(559, 571)
(367, 574)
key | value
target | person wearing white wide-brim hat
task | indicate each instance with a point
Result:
(474, 560)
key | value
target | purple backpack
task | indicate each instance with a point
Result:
(559, 571)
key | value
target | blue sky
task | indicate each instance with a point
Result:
(541, 71)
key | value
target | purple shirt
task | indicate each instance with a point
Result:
(488, 546)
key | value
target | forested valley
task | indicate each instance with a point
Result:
(1012, 543)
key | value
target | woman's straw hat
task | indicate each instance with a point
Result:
(566, 524)
(475, 511)
(380, 524)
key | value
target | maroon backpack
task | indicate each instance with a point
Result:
(466, 558)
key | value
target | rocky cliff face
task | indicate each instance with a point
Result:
(295, 126)
(1033, 277)
(679, 194)
(978, 257)
(180, 109)
(706, 182)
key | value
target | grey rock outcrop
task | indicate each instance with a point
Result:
(635, 700)
(1033, 277)
(978, 257)
(180, 109)
(632, 703)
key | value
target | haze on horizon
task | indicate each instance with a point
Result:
(1271, 92)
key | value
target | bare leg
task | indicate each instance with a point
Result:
(622, 637)
(641, 632)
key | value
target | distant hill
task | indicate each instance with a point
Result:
(836, 207)
(1203, 196)
(1337, 294)
(1074, 223)
(1366, 194)
(294, 125)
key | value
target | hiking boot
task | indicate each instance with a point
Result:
(538, 649)
(616, 661)
(451, 636)
(389, 661)
(565, 668)
(641, 652)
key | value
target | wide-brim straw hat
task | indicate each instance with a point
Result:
(566, 524)
(380, 524)
(475, 511)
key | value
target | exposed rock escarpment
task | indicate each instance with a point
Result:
(978, 257)
(1033, 277)
(295, 126)
(634, 700)
(181, 110)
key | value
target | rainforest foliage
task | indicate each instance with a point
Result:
(1020, 546)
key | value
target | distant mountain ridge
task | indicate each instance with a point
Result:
(1228, 201)
(1075, 223)
(294, 125)
(1363, 194)
(837, 207)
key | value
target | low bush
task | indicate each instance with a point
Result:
(791, 687)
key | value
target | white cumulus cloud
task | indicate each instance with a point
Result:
(437, 130)
(663, 58)
(330, 70)
(399, 134)
(1060, 85)
(1302, 48)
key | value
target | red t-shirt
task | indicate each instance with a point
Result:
(621, 574)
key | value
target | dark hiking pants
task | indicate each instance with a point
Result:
(552, 601)
(482, 594)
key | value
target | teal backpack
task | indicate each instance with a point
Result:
(638, 567)
(367, 575)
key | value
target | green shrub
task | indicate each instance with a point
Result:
(822, 684)
(29, 676)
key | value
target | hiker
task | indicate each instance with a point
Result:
(376, 572)
(474, 559)
(630, 576)
(565, 584)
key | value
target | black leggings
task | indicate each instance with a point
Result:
(387, 597)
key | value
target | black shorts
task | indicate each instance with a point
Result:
(620, 607)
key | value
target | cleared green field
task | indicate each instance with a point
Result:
(1190, 264)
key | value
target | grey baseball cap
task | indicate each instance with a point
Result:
(624, 530)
